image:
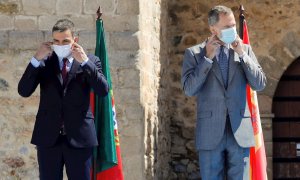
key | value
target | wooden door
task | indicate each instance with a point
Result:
(286, 125)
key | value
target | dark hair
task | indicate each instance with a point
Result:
(213, 14)
(63, 25)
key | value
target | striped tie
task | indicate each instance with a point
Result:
(223, 63)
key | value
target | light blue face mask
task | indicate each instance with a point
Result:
(228, 35)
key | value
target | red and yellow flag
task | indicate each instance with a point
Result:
(258, 162)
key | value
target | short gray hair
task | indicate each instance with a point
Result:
(63, 25)
(214, 14)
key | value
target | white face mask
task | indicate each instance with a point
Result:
(62, 51)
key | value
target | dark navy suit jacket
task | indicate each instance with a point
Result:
(70, 104)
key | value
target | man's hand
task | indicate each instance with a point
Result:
(78, 53)
(43, 51)
(237, 46)
(212, 45)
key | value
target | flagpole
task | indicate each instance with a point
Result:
(242, 18)
(94, 171)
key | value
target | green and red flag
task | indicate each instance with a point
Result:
(107, 164)
(258, 162)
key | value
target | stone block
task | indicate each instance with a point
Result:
(6, 22)
(83, 22)
(189, 132)
(38, 7)
(25, 40)
(264, 104)
(133, 129)
(291, 44)
(267, 132)
(179, 150)
(21, 60)
(180, 168)
(271, 87)
(130, 145)
(26, 22)
(189, 40)
(190, 145)
(128, 95)
(274, 69)
(84, 25)
(9, 7)
(123, 59)
(128, 78)
(134, 113)
(191, 168)
(68, 7)
(128, 7)
(87, 39)
(121, 23)
(91, 6)
(3, 39)
(46, 23)
(124, 41)
(133, 166)
(178, 140)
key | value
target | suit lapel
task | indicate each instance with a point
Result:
(215, 66)
(72, 71)
(58, 73)
(217, 71)
(54, 64)
(233, 62)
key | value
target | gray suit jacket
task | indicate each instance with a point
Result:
(203, 79)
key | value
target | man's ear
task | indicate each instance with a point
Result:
(212, 30)
(76, 39)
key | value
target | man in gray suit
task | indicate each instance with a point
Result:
(217, 72)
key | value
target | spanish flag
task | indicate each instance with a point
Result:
(258, 162)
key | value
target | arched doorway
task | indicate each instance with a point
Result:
(286, 125)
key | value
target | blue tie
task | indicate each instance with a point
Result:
(223, 63)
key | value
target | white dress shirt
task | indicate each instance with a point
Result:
(36, 63)
(226, 50)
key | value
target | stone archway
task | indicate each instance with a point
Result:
(286, 124)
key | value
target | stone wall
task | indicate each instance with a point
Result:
(273, 35)
(24, 24)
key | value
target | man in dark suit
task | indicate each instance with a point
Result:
(217, 72)
(64, 131)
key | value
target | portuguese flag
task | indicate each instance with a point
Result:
(107, 164)
(258, 162)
